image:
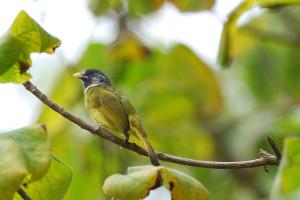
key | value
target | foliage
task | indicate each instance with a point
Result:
(25, 160)
(187, 108)
(24, 37)
(140, 180)
(53, 185)
(287, 184)
(136, 8)
(24, 152)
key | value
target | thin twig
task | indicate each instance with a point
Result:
(23, 194)
(274, 148)
(265, 160)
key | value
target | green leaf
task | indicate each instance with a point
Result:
(135, 8)
(233, 43)
(227, 49)
(274, 3)
(53, 185)
(192, 5)
(138, 8)
(197, 80)
(265, 49)
(287, 183)
(128, 49)
(24, 153)
(24, 37)
(140, 180)
(102, 7)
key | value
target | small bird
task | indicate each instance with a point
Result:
(112, 110)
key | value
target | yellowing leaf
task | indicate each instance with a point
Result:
(287, 183)
(24, 153)
(233, 43)
(192, 5)
(265, 49)
(127, 49)
(272, 3)
(195, 79)
(24, 37)
(140, 180)
(227, 50)
(137, 8)
(101, 7)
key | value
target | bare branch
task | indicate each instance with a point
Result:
(266, 159)
(274, 148)
(23, 194)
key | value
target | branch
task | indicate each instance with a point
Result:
(266, 159)
(23, 194)
(274, 148)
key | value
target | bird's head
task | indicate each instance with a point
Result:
(93, 77)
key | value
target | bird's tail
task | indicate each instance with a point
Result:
(149, 149)
(136, 126)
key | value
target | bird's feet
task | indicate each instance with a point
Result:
(126, 141)
(97, 127)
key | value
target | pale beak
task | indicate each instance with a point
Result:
(78, 75)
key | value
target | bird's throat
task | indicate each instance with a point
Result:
(91, 86)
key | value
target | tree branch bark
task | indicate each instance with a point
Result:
(23, 194)
(266, 159)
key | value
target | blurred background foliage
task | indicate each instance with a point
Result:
(188, 108)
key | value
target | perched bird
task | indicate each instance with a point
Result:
(112, 110)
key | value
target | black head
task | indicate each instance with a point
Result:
(93, 77)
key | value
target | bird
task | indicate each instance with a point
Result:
(112, 110)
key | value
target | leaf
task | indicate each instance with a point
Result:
(192, 5)
(230, 46)
(266, 48)
(24, 37)
(197, 80)
(137, 8)
(287, 123)
(102, 7)
(24, 153)
(140, 180)
(53, 185)
(274, 3)
(287, 182)
(127, 49)
(227, 50)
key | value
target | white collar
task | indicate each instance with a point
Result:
(90, 86)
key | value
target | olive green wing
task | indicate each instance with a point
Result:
(135, 123)
(129, 109)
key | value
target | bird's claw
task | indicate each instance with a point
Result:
(126, 141)
(97, 127)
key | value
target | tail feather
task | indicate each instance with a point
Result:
(150, 150)
(138, 131)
